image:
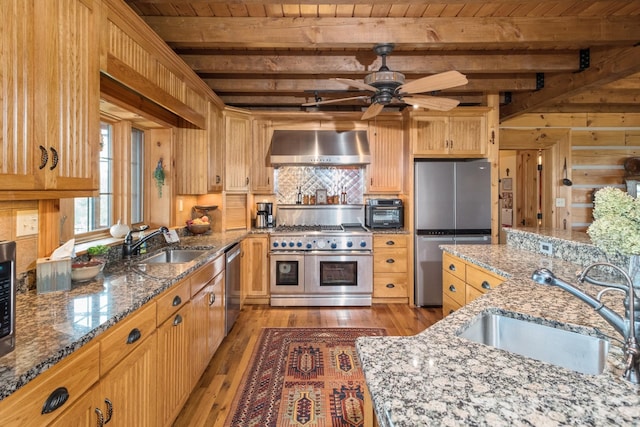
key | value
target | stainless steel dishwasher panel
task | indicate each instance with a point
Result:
(232, 286)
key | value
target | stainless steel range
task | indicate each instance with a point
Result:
(321, 265)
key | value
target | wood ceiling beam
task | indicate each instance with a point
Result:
(568, 32)
(605, 96)
(316, 2)
(360, 64)
(610, 65)
(269, 84)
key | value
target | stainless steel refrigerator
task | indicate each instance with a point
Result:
(452, 205)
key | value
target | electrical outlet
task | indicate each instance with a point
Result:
(546, 248)
(560, 202)
(26, 223)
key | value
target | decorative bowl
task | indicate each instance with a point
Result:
(84, 271)
(198, 228)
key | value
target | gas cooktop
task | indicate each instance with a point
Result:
(306, 228)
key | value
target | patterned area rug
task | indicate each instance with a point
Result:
(303, 377)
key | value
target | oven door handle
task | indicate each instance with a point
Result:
(340, 253)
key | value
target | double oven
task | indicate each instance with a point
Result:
(321, 266)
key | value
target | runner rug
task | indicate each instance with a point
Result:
(303, 377)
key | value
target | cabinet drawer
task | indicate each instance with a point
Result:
(481, 279)
(448, 306)
(77, 374)
(390, 241)
(390, 261)
(172, 299)
(453, 265)
(390, 285)
(201, 277)
(471, 293)
(125, 337)
(453, 287)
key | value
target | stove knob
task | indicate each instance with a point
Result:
(363, 244)
(334, 245)
(283, 244)
(349, 244)
(275, 244)
(291, 244)
(309, 245)
(320, 244)
(299, 244)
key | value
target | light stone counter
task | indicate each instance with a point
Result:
(439, 379)
(51, 326)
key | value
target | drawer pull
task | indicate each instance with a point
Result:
(391, 261)
(451, 311)
(134, 336)
(55, 400)
(390, 285)
(212, 298)
(109, 410)
(100, 417)
(54, 160)
(177, 301)
(452, 288)
(177, 320)
(452, 267)
(485, 285)
(44, 157)
(390, 242)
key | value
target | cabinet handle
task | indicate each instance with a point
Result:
(268, 181)
(451, 311)
(247, 181)
(176, 301)
(371, 181)
(217, 179)
(100, 417)
(451, 143)
(390, 285)
(452, 267)
(134, 336)
(109, 410)
(390, 242)
(44, 157)
(212, 298)
(55, 158)
(55, 400)
(177, 320)
(390, 261)
(452, 288)
(486, 285)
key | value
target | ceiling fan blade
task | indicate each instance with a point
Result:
(372, 111)
(436, 82)
(356, 83)
(331, 101)
(431, 102)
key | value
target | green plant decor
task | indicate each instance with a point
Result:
(97, 251)
(158, 176)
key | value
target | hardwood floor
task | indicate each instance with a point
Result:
(209, 403)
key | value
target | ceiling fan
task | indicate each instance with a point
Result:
(388, 86)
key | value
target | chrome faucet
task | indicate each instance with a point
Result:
(628, 327)
(129, 248)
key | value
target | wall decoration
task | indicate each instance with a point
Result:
(158, 176)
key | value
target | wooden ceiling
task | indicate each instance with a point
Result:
(543, 56)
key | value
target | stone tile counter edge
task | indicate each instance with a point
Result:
(51, 326)
(439, 378)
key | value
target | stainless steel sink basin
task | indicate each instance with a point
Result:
(571, 350)
(173, 256)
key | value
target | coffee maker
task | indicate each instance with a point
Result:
(264, 215)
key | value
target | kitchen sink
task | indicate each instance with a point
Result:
(173, 256)
(571, 350)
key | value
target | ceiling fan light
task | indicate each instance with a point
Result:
(385, 77)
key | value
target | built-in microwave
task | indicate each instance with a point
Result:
(7, 297)
(384, 213)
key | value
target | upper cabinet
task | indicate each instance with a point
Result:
(49, 67)
(237, 136)
(457, 133)
(215, 129)
(384, 174)
(261, 170)
(191, 160)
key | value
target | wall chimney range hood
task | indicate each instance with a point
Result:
(320, 147)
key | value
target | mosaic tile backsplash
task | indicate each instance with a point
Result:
(311, 178)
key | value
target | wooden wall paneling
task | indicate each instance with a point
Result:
(493, 155)
(544, 120)
(613, 119)
(159, 210)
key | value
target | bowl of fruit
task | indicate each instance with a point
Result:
(199, 225)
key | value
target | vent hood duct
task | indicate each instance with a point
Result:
(320, 147)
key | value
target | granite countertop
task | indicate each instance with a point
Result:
(438, 378)
(51, 326)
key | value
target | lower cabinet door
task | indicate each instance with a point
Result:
(173, 374)
(131, 388)
(83, 412)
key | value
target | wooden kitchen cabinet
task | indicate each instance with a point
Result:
(237, 125)
(261, 170)
(51, 102)
(461, 134)
(463, 282)
(255, 269)
(384, 173)
(390, 268)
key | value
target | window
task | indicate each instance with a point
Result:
(95, 213)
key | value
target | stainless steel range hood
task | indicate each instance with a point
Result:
(320, 147)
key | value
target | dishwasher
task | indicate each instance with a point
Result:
(232, 286)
